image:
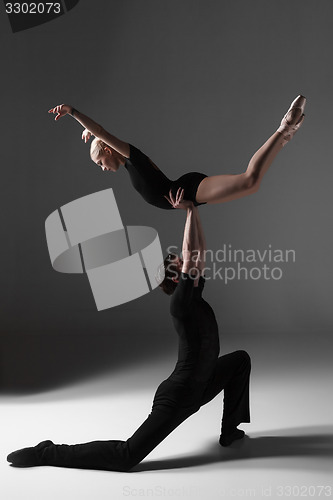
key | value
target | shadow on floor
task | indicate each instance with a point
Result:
(306, 445)
(33, 364)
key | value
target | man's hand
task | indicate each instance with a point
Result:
(179, 201)
(61, 110)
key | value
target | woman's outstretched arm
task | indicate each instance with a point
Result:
(93, 127)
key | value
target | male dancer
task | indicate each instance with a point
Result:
(199, 374)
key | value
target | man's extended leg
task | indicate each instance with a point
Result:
(106, 455)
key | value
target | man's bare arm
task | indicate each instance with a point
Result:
(190, 247)
(202, 247)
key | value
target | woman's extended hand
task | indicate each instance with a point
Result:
(61, 110)
(179, 201)
(86, 134)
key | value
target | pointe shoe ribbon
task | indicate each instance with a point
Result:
(292, 120)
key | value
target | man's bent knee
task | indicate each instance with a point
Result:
(244, 356)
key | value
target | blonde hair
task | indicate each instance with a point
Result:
(97, 148)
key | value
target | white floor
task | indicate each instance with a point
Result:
(287, 454)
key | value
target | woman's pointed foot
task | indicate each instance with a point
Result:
(28, 457)
(293, 119)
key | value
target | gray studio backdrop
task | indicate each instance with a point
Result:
(198, 86)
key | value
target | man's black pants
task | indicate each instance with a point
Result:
(232, 374)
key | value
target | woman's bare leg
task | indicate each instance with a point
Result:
(221, 188)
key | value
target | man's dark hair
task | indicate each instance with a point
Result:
(170, 269)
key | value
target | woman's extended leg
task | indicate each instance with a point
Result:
(221, 188)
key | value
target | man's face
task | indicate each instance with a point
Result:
(176, 264)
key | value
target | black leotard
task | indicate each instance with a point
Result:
(152, 184)
(199, 346)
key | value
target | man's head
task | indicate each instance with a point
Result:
(104, 156)
(172, 268)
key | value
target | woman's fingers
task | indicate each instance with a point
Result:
(54, 111)
(59, 110)
(86, 134)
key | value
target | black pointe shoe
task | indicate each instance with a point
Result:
(28, 457)
(227, 438)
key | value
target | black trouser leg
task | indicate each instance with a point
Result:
(118, 455)
(101, 455)
(159, 424)
(232, 374)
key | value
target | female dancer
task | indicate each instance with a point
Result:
(199, 375)
(110, 153)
